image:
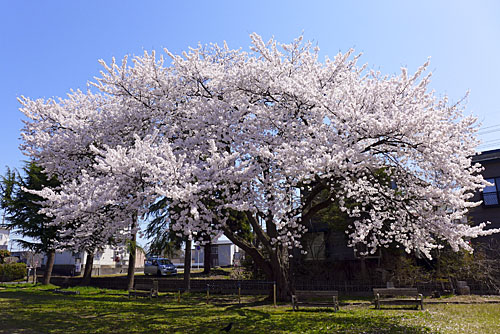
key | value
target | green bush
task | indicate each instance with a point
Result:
(3, 254)
(12, 271)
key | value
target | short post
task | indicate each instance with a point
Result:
(179, 296)
(274, 293)
(208, 293)
(239, 292)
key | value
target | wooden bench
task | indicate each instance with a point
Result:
(395, 296)
(146, 289)
(315, 298)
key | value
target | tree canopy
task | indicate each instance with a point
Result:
(261, 133)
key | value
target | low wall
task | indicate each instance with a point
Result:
(250, 287)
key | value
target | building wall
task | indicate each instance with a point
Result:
(482, 213)
(107, 257)
(65, 257)
(109, 261)
(225, 254)
(197, 256)
(337, 249)
(4, 238)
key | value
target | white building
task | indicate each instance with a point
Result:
(224, 253)
(4, 238)
(112, 260)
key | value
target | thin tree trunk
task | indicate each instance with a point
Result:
(131, 263)
(51, 256)
(87, 274)
(187, 266)
(207, 258)
(34, 274)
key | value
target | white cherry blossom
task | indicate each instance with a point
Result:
(262, 133)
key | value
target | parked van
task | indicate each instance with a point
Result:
(159, 266)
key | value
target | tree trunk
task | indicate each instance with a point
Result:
(256, 266)
(187, 266)
(87, 274)
(131, 263)
(280, 265)
(34, 275)
(51, 256)
(207, 258)
(276, 269)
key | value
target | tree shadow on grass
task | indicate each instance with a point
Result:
(47, 312)
(322, 322)
(255, 313)
(396, 308)
(233, 304)
(311, 310)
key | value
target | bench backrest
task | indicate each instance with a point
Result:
(396, 292)
(309, 294)
(143, 286)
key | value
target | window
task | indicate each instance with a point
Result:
(491, 193)
(315, 246)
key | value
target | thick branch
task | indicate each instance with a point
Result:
(250, 250)
(320, 206)
(263, 237)
(312, 195)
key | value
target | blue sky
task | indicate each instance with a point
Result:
(50, 47)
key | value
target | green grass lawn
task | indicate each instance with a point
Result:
(28, 309)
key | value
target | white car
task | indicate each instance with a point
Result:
(159, 266)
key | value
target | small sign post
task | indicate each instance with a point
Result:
(198, 256)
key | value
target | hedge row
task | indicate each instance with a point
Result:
(12, 271)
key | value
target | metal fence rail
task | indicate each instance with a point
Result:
(261, 287)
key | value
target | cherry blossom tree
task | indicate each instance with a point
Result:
(261, 134)
(103, 194)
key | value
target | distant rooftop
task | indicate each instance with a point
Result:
(487, 156)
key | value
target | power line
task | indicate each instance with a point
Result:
(488, 131)
(489, 141)
(482, 147)
(490, 126)
(489, 145)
